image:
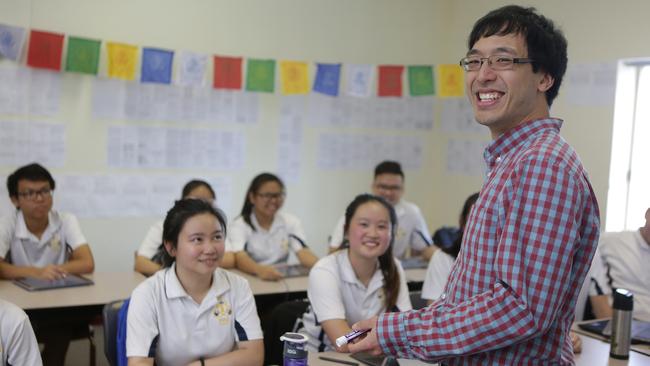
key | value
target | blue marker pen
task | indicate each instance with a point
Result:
(345, 339)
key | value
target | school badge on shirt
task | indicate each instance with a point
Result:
(55, 243)
(400, 233)
(285, 244)
(222, 311)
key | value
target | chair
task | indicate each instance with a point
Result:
(417, 301)
(285, 317)
(111, 316)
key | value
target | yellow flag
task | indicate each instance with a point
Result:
(450, 79)
(294, 77)
(122, 60)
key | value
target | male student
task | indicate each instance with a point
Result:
(412, 231)
(39, 242)
(532, 233)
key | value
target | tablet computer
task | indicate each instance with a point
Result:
(294, 270)
(35, 284)
(368, 359)
(640, 331)
(414, 262)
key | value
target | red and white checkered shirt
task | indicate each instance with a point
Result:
(527, 247)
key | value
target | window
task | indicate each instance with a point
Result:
(629, 173)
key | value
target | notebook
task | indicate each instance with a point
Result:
(294, 270)
(35, 284)
(640, 329)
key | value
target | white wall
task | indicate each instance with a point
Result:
(360, 31)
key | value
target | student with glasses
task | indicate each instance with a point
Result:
(262, 236)
(40, 242)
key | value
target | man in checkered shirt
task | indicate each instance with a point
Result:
(531, 235)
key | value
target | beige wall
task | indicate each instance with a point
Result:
(359, 31)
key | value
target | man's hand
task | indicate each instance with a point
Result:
(576, 341)
(369, 342)
(51, 272)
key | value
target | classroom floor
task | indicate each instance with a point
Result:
(78, 353)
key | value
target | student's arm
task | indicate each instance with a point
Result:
(140, 361)
(145, 265)
(334, 328)
(600, 306)
(228, 261)
(81, 261)
(246, 264)
(248, 353)
(50, 272)
(306, 257)
(427, 253)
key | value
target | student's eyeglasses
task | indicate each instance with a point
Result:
(386, 187)
(32, 195)
(496, 62)
(272, 196)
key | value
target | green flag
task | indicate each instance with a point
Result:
(83, 55)
(421, 80)
(260, 75)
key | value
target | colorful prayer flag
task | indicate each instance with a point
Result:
(122, 59)
(11, 41)
(450, 79)
(390, 81)
(192, 69)
(227, 72)
(327, 79)
(83, 55)
(358, 80)
(156, 66)
(260, 75)
(45, 50)
(294, 77)
(421, 80)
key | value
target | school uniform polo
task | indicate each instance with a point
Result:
(411, 231)
(17, 341)
(335, 292)
(153, 239)
(438, 272)
(596, 283)
(267, 246)
(162, 314)
(62, 236)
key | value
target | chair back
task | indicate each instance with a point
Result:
(110, 314)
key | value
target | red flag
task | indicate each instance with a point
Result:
(390, 81)
(227, 72)
(45, 50)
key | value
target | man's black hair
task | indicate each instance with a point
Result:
(389, 167)
(33, 172)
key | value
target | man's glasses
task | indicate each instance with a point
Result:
(386, 187)
(496, 62)
(272, 196)
(32, 195)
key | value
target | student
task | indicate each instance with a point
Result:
(193, 312)
(148, 256)
(262, 235)
(412, 231)
(442, 260)
(360, 280)
(17, 341)
(532, 234)
(43, 243)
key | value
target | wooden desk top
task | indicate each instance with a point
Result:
(108, 286)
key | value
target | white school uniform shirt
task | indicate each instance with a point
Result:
(185, 331)
(25, 249)
(153, 239)
(411, 231)
(627, 255)
(17, 341)
(437, 275)
(267, 247)
(335, 292)
(596, 283)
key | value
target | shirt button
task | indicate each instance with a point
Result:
(498, 159)
(443, 296)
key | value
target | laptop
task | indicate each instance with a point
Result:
(35, 284)
(640, 330)
(293, 270)
(414, 262)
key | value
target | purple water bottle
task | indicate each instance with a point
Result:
(295, 353)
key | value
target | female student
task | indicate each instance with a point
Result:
(193, 312)
(360, 280)
(262, 236)
(148, 256)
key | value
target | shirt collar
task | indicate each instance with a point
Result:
(641, 241)
(514, 138)
(276, 222)
(21, 231)
(348, 275)
(174, 288)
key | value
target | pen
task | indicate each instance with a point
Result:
(345, 339)
(338, 361)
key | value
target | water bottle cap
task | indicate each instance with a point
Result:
(623, 299)
(294, 337)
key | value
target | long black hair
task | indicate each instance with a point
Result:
(386, 260)
(196, 183)
(176, 218)
(253, 188)
(454, 249)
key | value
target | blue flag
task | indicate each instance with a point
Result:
(11, 41)
(156, 66)
(327, 79)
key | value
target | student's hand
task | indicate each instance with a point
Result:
(268, 273)
(368, 343)
(51, 272)
(576, 341)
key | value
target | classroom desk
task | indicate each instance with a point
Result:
(108, 286)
